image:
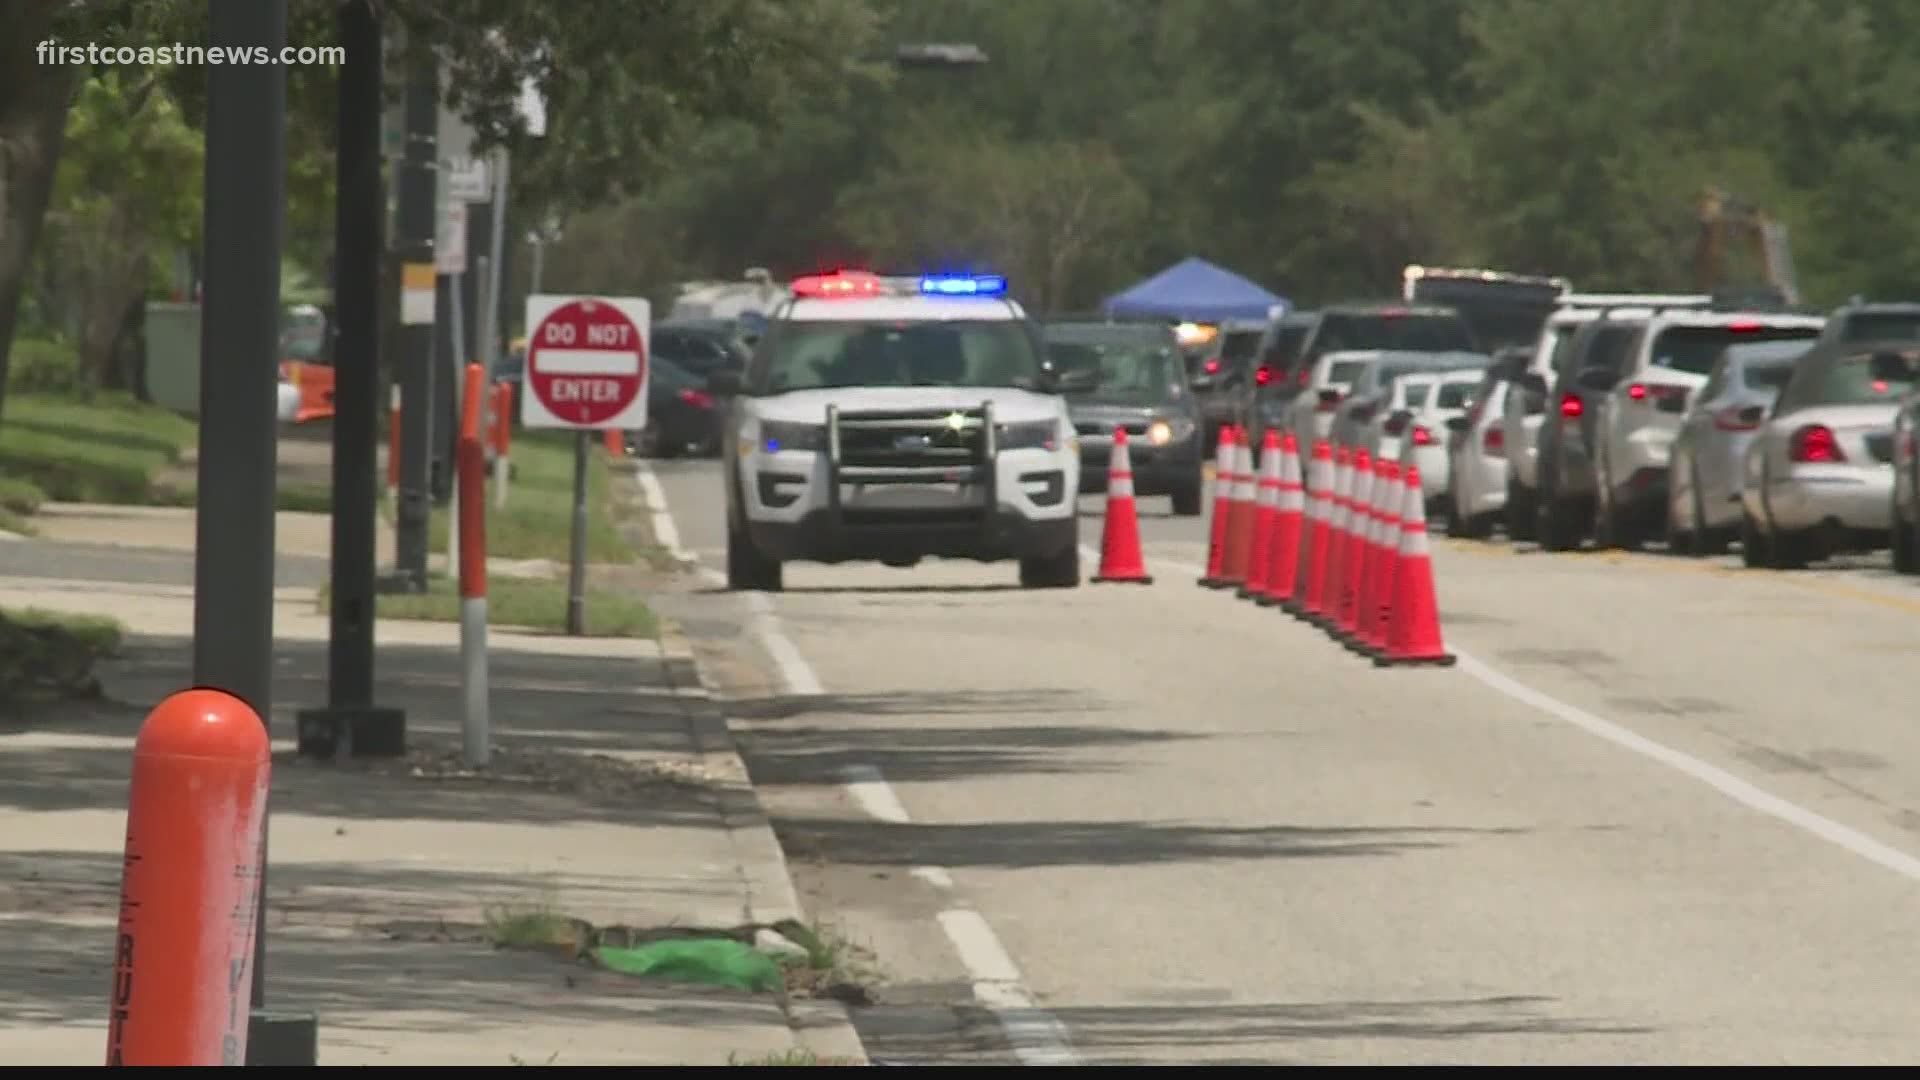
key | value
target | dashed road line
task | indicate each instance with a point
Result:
(1733, 787)
(664, 529)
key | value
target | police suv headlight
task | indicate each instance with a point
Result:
(777, 435)
(1030, 435)
(1162, 432)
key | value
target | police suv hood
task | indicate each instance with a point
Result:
(1010, 405)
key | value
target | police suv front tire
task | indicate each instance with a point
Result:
(1058, 571)
(747, 569)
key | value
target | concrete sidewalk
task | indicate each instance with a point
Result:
(616, 797)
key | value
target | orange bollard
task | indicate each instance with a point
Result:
(473, 402)
(616, 444)
(502, 417)
(183, 957)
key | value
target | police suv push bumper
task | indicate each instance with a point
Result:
(908, 483)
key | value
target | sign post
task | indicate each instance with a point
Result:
(586, 372)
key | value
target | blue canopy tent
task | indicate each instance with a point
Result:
(1196, 290)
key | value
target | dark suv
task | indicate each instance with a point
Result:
(1862, 321)
(1586, 367)
(1218, 369)
(1393, 326)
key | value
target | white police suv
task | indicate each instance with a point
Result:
(895, 419)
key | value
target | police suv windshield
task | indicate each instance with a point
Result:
(961, 352)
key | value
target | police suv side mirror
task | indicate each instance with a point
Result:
(1456, 424)
(1533, 383)
(724, 383)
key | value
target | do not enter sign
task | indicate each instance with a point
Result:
(586, 363)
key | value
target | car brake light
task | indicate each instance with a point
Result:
(1213, 367)
(838, 284)
(1743, 327)
(1571, 406)
(1660, 391)
(1263, 375)
(1422, 437)
(1815, 444)
(1304, 376)
(696, 399)
(1638, 392)
(1494, 441)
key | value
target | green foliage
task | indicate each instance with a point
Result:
(46, 654)
(19, 496)
(105, 450)
(41, 366)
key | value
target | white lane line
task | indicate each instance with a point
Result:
(874, 794)
(1740, 791)
(1036, 1037)
(934, 876)
(663, 528)
(794, 670)
(1733, 787)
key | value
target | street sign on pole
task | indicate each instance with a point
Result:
(450, 247)
(586, 363)
(467, 179)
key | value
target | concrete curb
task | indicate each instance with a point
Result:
(820, 1026)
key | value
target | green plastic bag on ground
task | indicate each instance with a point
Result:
(711, 961)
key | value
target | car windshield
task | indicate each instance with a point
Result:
(1238, 345)
(1883, 326)
(1407, 333)
(1128, 371)
(1454, 395)
(960, 352)
(1694, 349)
(1766, 374)
(1346, 372)
(1851, 380)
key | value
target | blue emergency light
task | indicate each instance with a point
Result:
(964, 284)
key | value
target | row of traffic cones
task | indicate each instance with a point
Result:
(1345, 550)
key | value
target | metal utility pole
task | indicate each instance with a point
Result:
(351, 725)
(418, 307)
(233, 557)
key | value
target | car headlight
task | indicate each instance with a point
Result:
(1162, 432)
(778, 435)
(1030, 435)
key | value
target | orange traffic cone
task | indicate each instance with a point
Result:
(1240, 516)
(1327, 539)
(1120, 557)
(1222, 494)
(1346, 615)
(1337, 531)
(1377, 592)
(1289, 508)
(1414, 637)
(1266, 500)
(1313, 533)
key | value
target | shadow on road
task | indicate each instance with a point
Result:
(1015, 844)
(917, 752)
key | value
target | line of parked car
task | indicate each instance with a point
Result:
(1627, 419)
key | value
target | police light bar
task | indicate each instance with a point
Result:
(840, 283)
(963, 285)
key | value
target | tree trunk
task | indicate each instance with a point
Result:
(33, 117)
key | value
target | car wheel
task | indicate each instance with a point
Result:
(748, 570)
(1186, 498)
(1519, 512)
(1902, 544)
(1706, 539)
(1057, 571)
(1753, 543)
(1682, 541)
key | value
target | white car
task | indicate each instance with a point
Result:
(1635, 426)
(1819, 474)
(1477, 450)
(1414, 430)
(893, 422)
(1525, 405)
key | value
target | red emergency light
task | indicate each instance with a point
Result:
(841, 283)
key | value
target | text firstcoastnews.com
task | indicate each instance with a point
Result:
(52, 52)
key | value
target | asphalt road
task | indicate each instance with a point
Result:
(1663, 811)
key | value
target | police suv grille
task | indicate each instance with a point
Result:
(918, 439)
(1880, 445)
